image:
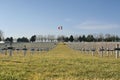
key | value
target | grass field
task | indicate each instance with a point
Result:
(61, 63)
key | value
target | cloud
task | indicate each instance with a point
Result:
(94, 25)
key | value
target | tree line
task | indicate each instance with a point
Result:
(23, 39)
(71, 38)
(90, 38)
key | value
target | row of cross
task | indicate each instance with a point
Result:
(102, 50)
(25, 49)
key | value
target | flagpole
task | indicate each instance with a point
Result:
(60, 28)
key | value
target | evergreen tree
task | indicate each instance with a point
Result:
(33, 38)
(90, 38)
(11, 39)
(80, 39)
(66, 39)
(71, 39)
(83, 38)
(23, 39)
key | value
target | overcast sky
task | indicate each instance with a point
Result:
(42, 17)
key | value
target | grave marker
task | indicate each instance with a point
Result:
(117, 49)
(10, 50)
(32, 51)
(5, 49)
(101, 51)
(107, 51)
(93, 51)
(25, 50)
(17, 50)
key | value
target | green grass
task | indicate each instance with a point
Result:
(61, 63)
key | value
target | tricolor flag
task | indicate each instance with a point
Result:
(60, 28)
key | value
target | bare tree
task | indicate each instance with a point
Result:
(76, 38)
(45, 38)
(51, 38)
(41, 38)
(1, 35)
(100, 37)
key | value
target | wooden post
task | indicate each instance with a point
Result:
(38, 50)
(93, 51)
(107, 51)
(25, 50)
(32, 51)
(102, 50)
(10, 52)
(83, 50)
(17, 50)
(10, 49)
(5, 49)
(87, 51)
(1, 51)
(117, 51)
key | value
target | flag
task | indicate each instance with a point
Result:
(60, 27)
